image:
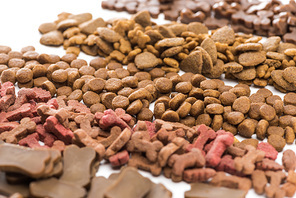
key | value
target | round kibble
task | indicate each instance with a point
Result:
(39, 71)
(214, 109)
(164, 85)
(208, 84)
(184, 109)
(101, 73)
(122, 73)
(76, 95)
(156, 73)
(126, 91)
(98, 63)
(120, 102)
(188, 121)
(49, 86)
(114, 65)
(145, 114)
(290, 110)
(230, 128)
(261, 129)
(275, 130)
(24, 75)
(196, 93)
(235, 117)
(217, 122)
(143, 76)
(252, 142)
(64, 91)
(257, 98)
(290, 99)
(86, 70)
(107, 98)
(267, 112)
(78, 63)
(135, 107)
(113, 85)
(204, 119)
(90, 98)
(8, 75)
(197, 79)
(197, 108)
(159, 109)
(97, 108)
(278, 107)
(227, 98)
(277, 142)
(16, 62)
(59, 76)
(96, 85)
(271, 99)
(170, 116)
(246, 128)
(176, 101)
(289, 135)
(211, 93)
(242, 104)
(183, 87)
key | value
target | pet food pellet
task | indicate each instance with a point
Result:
(76, 95)
(90, 98)
(277, 142)
(164, 85)
(170, 116)
(120, 102)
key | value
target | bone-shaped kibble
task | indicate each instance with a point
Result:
(137, 144)
(171, 126)
(194, 159)
(167, 136)
(119, 158)
(114, 133)
(231, 181)
(274, 190)
(246, 164)
(54, 187)
(83, 137)
(19, 159)
(120, 142)
(109, 119)
(259, 181)
(140, 162)
(169, 149)
(31, 141)
(227, 165)
(24, 111)
(220, 144)
(7, 88)
(62, 114)
(6, 101)
(78, 164)
(26, 126)
(198, 174)
(289, 160)
(24, 95)
(204, 136)
(52, 125)
(268, 164)
(46, 137)
(7, 126)
(84, 122)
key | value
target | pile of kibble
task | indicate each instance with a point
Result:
(130, 107)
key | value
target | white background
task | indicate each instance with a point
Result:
(19, 22)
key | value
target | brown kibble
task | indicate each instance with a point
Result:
(204, 119)
(8, 75)
(214, 109)
(184, 109)
(59, 76)
(97, 108)
(120, 102)
(146, 60)
(90, 98)
(259, 181)
(267, 112)
(277, 142)
(96, 84)
(242, 104)
(113, 85)
(145, 114)
(170, 116)
(183, 87)
(227, 98)
(64, 91)
(246, 128)
(289, 135)
(76, 95)
(49, 86)
(290, 99)
(235, 117)
(24, 75)
(107, 98)
(164, 85)
(261, 129)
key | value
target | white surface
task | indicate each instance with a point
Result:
(20, 19)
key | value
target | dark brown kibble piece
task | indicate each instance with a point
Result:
(277, 142)
(267, 112)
